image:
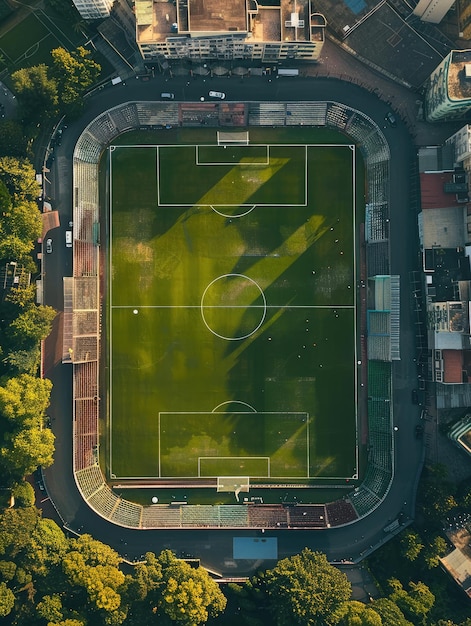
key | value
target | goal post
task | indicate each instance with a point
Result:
(233, 484)
(237, 137)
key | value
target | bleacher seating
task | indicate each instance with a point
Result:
(157, 113)
(103, 501)
(267, 516)
(307, 516)
(89, 480)
(161, 516)
(364, 500)
(88, 149)
(306, 113)
(103, 129)
(86, 380)
(267, 114)
(127, 514)
(125, 116)
(233, 516)
(340, 512)
(379, 379)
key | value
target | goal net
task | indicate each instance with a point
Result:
(239, 137)
(233, 484)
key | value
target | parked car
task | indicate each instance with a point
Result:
(68, 238)
(49, 246)
(167, 96)
(390, 119)
(217, 94)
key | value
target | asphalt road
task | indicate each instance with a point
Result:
(214, 547)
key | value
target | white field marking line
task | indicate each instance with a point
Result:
(110, 326)
(238, 306)
(160, 438)
(157, 147)
(306, 190)
(355, 317)
(308, 473)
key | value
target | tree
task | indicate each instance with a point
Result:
(415, 604)
(24, 452)
(37, 94)
(411, 545)
(19, 177)
(436, 548)
(306, 589)
(32, 325)
(188, 596)
(437, 493)
(46, 549)
(13, 141)
(391, 614)
(74, 72)
(16, 528)
(23, 494)
(358, 614)
(24, 400)
(50, 608)
(7, 600)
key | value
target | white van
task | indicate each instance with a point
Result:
(167, 96)
(68, 238)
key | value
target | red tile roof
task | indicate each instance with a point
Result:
(452, 366)
(432, 194)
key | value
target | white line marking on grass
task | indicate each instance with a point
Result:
(236, 306)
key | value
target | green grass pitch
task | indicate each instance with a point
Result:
(232, 310)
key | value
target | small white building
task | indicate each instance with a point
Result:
(93, 9)
(433, 10)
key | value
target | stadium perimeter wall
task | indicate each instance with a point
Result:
(84, 312)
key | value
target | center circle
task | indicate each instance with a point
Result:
(233, 307)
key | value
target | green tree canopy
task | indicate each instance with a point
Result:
(32, 325)
(358, 614)
(24, 400)
(19, 177)
(7, 600)
(415, 604)
(23, 452)
(306, 589)
(74, 72)
(411, 545)
(390, 613)
(188, 596)
(13, 140)
(37, 94)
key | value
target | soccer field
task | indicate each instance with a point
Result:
(232, 311)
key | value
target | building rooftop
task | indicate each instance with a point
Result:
(263, 21)
(459, 84)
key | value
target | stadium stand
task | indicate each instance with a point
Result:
(307, 516)
(161, 516)
(267, 516)
(156, 114)
(86, 310)
(340, 512)
(306, 113)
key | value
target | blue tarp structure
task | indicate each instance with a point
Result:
(355, 6)
(255, 548)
